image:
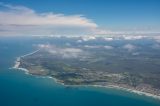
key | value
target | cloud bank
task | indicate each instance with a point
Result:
(20, 20)
(65, 53)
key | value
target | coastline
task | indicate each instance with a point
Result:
(17, 63)
(16, 66)
(99, 86)
(129, 90)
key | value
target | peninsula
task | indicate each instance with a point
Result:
(94, 66)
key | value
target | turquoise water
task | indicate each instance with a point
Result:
(19, 89)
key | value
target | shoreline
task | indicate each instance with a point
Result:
(129, 90)
(17, 63)
(98, 86)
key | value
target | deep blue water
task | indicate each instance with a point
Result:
(19, 89)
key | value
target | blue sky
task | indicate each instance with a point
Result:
(115, 15)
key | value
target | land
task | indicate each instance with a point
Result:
(83, 65)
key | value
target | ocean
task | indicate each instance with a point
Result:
(20, 89)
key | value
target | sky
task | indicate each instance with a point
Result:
(53, 17)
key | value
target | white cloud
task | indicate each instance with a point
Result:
(92, 47)
(19, 20)
(157, 38)
(108, 39)
(129, 47)
(64, 52)
(87, 38)
(47, 46)
(133, 37)
(99, 46)
(108, 47)
(79, 41)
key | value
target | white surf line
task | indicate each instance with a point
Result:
(30, 53)
(129, 90)
(17, 62)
